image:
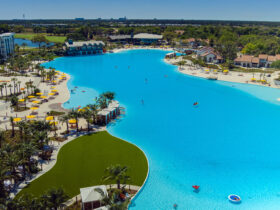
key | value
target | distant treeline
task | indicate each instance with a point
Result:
(140, 21)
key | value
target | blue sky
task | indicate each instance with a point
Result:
(171, 9)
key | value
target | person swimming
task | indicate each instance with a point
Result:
(195, 103)
(142, 101)
(146, 80)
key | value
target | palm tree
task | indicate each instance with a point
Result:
(14, 81)
(11, 161)
(116, 173)
(65, 119)
(75, 114)
(1, 89)
(5, 85)
(13, 126)
(54, 198)
(94, 110)
(10, 86)
(2, 138)
(86, 114)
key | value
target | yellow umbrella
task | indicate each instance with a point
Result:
(263, 80)
(34, 108)
(253, 79)
(31, 96)
(43, 96)
(30, 116)
(18, 119)
(53, 122)
(215, 70)
(49, 118)
(21, 100)
(72, 121)
(54, 90)
(56, 74)
(81, 110)
(51, 94)
(35, 102)
(54, 81)
(53, 87)
(39, 94)
(225, 71)
(206, 69)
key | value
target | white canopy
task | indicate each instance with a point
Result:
(89, 194)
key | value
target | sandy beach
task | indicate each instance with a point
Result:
(231, 76)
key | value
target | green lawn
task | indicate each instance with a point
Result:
(56, 39)
(81, 163)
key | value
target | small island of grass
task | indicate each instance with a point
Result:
(82, 162)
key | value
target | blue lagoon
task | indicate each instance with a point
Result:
(228, 144)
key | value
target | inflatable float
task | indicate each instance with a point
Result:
(234, 198)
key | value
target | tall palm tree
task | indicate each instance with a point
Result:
(76, 115)
(2, 138)
(14, 82)
(86, 114)
(13, 126)
(94, 110)
(54, 198)
(1, 89)
(5, 85)
(64, 119)
(10, 86)
(116, 173)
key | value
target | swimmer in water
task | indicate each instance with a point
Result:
(146, 80)
(142, 101)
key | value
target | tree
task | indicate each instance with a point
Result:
(13, 126)
(65, 119)
(86, 114)
(116, 173)
(39, 38)
(181, 63)
(75, 114)
(54, 198)
(276, 64)
(227, 46)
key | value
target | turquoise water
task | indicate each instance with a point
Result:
(229, 144)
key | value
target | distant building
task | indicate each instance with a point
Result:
(7, 45)
(122, 19)
(121, 38)
(84, 47)
(80, 19)
(250, 61)
(147, 39)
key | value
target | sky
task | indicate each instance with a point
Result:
(142, 9)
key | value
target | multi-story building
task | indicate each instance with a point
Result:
(250, 61)
(7, 45)
(84, 48)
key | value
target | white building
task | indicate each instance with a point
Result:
(84, 47)
(7, 45)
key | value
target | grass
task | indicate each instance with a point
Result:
(81, 163)
(56, 39)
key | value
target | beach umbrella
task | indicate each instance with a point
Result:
(225, 71)
(54, 81)
(39, 94)
(30, 96)
(51, 94)
(34, 108)
(30, 116)
(49, 118)
(22, 88)
(206, 69)
(72, 121)
(253, 79)
(54, 91)
(53, 122)
(21, 100)
(53, 87)
(81, 110)
(35, 102)
(43, 97)
(56, 74)
(18, 119)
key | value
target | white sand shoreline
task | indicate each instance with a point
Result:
(231, 76)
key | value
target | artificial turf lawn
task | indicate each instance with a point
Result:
(56, 39)
(81, 163)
